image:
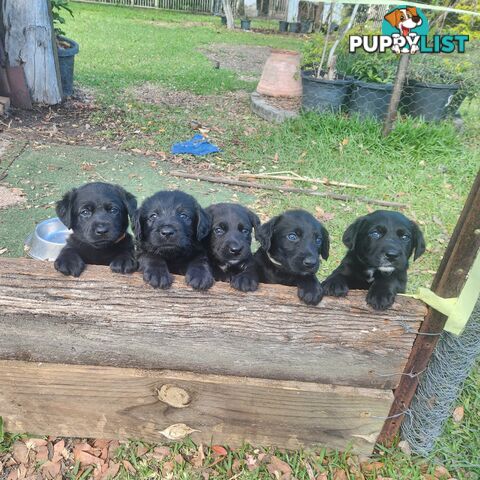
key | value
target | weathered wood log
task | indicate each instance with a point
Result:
(29, 41)
(117, 320)
(106, 402)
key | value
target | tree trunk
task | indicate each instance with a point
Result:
(227, 8)
(29, 41)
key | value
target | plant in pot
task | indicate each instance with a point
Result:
(66, 48)
(437, 85)
(324, 89)
(372, 88)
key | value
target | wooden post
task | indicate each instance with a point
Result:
(452, 273)
(29, 41)
(396, 93)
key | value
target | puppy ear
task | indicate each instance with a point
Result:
(264, 233)
(350, 234)
(393, 18)
(418, 241)
(204, 223)
(64, 208)
(325, 250)
(137, 224)
(255, 221)
(129, 200)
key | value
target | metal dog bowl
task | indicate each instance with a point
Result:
(47, 240)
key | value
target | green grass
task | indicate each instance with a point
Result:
(430, 167)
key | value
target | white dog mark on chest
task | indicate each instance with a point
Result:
(369, 273)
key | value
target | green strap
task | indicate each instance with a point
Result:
(458, 309)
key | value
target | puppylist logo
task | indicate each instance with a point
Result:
(405, 29)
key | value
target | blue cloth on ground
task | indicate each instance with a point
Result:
(198, 145)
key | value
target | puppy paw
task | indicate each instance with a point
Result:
(199, 278)
(70, 265)
(244, 283)
(158, 278)
(335, 287)
(380, 299)
(124, 264)
(311, 294)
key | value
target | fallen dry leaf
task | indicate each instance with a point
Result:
(128, 466)
(20, 452)
(371, 466)
(458, 414)
(441, 472)
(277, 465)
(405, 447)
(339, 474)
(322, 476)
(51, 469)
(141, 451)
(198, 458)
(178, 431)
(219, 450)
(168, 467)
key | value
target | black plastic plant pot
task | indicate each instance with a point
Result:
(294, 27)
(325, 95)
(370, 99)
(432, 102)
(282, 26)
(66, 58)
(306, 26)
(245, 24)
(223, 19)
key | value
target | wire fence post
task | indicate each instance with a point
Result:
(396, 93)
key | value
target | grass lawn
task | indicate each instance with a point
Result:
(429, 167)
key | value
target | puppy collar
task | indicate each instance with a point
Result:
(121, 238)
(275, 262)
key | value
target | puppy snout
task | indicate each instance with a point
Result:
(310, 262)
(392, 255)
(101, 230)
(235, 249)
(167, 231)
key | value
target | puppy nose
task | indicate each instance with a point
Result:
(167, 231)
(392, 254)
(236, 249)
(310, 262)
(101, 229)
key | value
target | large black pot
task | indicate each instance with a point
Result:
(282, 26)
(306, 26)
(428, 100)
(66, 58)
(325, 95)
(245, 24)
(370, 99)
(294, 27)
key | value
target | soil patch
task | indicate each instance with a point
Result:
(246, 60)
(10, 196)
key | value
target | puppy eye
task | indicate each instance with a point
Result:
(184, 216)
(114, 210)
(318, 240)
(245, 231)
(153, 216)
(405, 237)
(292, 237)
(375, 235)
(218, 231)
(85, 212)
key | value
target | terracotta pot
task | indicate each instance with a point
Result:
(281, 75)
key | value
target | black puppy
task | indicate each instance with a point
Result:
(229, 245)
(379, 246)
(98, 215)
(169, 227)
(289, 253)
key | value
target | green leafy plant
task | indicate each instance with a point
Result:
(58, 7)
(369, 67)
